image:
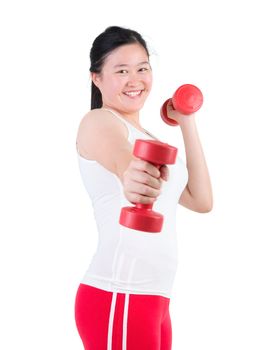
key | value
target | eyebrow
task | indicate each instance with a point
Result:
(126, 65)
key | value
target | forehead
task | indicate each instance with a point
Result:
(130, 54)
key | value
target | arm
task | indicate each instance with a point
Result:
(197, 195)
(103, 137)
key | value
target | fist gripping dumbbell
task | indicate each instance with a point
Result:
(187, 99)
(141, 217)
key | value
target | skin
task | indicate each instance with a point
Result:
(126, 71)
(197, 195)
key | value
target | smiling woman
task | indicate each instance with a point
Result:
(123, 299)
(125, 80)
(109, 45)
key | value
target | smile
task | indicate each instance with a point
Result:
(133, 93)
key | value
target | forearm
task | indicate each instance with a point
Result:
(199, 184)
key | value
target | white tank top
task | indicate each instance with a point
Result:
(126, 260)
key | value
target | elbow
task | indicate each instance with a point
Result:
(199, 204)
(204, 210)
(205, 207)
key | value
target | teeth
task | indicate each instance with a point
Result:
(132, 93)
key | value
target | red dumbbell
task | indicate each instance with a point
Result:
(187, 99)
(142, 217)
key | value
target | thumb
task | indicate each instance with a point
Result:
(164, 172)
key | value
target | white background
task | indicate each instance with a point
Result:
(48, 233)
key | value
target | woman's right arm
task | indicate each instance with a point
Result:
(103, 137)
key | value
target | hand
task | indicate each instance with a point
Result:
(142, 181)
(177, 116)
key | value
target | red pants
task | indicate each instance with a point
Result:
(117, 321)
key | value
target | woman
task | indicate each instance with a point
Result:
(123, 299)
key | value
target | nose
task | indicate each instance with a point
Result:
(133, 79)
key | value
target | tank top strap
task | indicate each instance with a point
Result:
(131, 129)
(134, 133)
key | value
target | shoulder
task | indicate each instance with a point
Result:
(101, 134)
(101, 119)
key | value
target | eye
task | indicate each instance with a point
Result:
(143, 69)
(122, 71)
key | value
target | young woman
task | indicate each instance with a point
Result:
(122, 302)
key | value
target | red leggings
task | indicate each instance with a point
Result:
(117, 321)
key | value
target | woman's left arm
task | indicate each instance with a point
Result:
(197, 195)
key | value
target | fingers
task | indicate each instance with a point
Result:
(138, 198)
(162, 172)
(146, 179)
(142, 187)
(149, 168)
(143, 181)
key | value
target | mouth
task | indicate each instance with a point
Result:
(133, 93)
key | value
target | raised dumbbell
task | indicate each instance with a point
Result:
(141, 217)
(187, 99)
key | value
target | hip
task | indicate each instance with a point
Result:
(113, 320)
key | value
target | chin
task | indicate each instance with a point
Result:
(132, 110)
(135, 107)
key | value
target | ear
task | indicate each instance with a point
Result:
(96, 78)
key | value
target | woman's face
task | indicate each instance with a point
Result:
(126, 79)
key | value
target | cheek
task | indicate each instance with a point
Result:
(149, 80)
(115, 85)
(111, 89)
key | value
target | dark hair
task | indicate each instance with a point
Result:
(106, 42)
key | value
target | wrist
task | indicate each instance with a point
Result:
(187, 121)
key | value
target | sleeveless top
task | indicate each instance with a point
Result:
(127, 260)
